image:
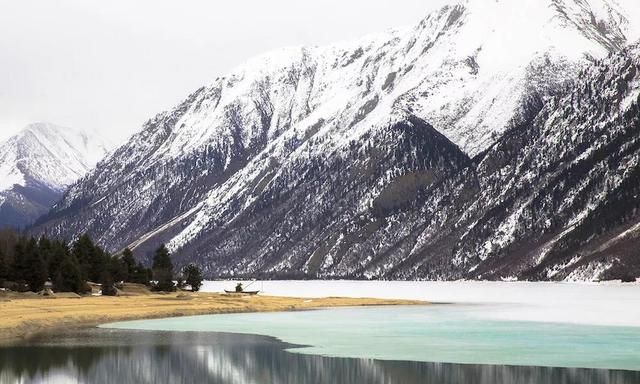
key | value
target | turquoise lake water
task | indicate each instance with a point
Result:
(436, 333)
(107, 356)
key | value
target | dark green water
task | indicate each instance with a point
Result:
(122, 356)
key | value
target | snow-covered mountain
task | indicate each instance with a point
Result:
(369, 158)
(38, 164)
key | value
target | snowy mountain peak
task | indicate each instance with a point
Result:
(465, 68)
(307, 157)
(38, 163)
(50, 154)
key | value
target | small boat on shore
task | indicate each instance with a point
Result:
(241, 292)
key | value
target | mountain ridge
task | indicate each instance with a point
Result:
(257, 144)
(38, 164)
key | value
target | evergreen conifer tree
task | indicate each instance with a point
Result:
(20, 267)
(108, 286)
(68, 277)
(4, 267)
(193, 277)
(140, 275)
(116, 268)
(163, 269)
(58, 252)
(82, 251)
(35, 274)
(129, 263)
(93, 260)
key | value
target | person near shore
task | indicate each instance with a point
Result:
(239, 287)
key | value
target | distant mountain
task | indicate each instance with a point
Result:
(38, 164)
(442, 151)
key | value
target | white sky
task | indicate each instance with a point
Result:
(109, 65)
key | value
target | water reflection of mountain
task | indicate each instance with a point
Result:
(108, 356)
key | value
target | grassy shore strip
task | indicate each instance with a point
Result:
(22, 318)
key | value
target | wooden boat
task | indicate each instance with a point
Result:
(242, 292)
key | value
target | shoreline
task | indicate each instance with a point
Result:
(24, 318)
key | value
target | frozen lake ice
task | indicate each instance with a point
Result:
(577, 303)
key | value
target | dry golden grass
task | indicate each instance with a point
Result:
(25, 316)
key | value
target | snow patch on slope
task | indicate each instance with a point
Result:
(9, 174)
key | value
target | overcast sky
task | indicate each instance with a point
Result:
(111, 65)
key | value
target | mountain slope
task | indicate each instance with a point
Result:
(352, 159)
(36, 166)
(556, 197)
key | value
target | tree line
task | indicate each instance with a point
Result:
(27, 264)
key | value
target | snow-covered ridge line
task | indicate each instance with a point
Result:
(38, 164)
(479, 73)
(355, 159)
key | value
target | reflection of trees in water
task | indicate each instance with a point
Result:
(34, 364)
(102, 356)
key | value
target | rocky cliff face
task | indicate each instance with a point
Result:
(472, 145)
(38, 164)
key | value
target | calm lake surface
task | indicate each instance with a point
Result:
(495, 333)
(118, 356)
(438, 333)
